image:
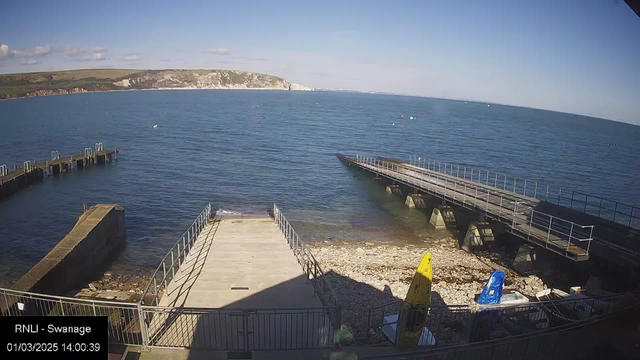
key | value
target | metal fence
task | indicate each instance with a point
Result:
(570, 341)
(124, 318)
(450, 325)
(241, 329)
(170, 264)
(591, 204)
(556, 234)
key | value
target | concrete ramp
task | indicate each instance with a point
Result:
(240, 263)
(240, 288)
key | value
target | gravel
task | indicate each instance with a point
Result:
(368, 274)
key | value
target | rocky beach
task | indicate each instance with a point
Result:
(367, 274)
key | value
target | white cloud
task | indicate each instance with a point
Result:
(93, 57)
(131, 57)
(20, 53)
(77, 51)
(29, 62)
(42, 50)
(219, 51)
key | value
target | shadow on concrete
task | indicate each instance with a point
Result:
(195, 265)
(246, 326)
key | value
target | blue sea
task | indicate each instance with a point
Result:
(244, 150)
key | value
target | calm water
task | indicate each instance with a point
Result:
(243, 150)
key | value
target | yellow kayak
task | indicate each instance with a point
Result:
(416, 304)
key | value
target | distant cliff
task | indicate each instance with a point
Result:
(76, 81)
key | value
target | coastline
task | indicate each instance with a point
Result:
(168, 88)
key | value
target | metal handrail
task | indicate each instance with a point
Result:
(187, 240)
(502, 181)
(520, 344)
(494, 203)
(309, 264)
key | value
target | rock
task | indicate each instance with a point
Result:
(360, 250)
(92, 287)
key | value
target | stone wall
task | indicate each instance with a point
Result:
(86, 251)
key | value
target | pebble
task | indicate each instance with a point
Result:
(385, 273)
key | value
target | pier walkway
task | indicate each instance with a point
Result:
(30, 171)
(526, 215)
(240, 284)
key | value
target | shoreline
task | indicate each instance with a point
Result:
(154, 89)
(368, 274)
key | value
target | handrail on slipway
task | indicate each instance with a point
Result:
(176, 255)
(305, 258)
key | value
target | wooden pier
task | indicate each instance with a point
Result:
(31, 171)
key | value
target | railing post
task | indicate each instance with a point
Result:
(547, 196)
(164, 272)
(514, 184)
(173, 272)
(559, 194)
(505, 183)
(515, 212)
(572, 193)
(487, 206)
(535, 191)
(475, 199)
(337, 325)
(590, 238)
(500, 210)
(570, 233)
(530, 222)
(143, 329)
(600, 208)
(524, 192)
(465, 194)
(458, 172)
(615, 211)
(549, 231)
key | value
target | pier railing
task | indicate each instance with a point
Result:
(170, 264)
(554, 233)
(615, 211)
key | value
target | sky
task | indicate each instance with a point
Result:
(576, 56)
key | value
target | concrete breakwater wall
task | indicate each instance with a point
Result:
(83, 253)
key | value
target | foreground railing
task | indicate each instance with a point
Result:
(241, 329)
(574, 340)
(124, 318)
(170, 264)
(556, 234)
(450, 325)
(590, 204)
